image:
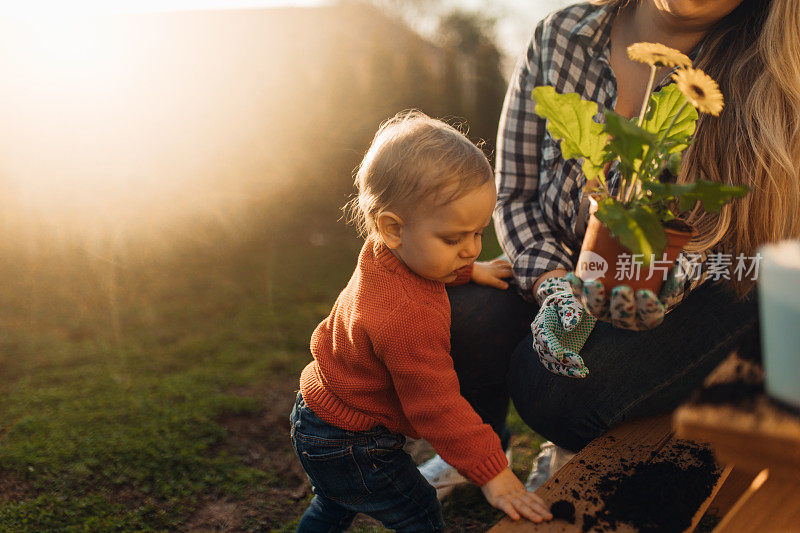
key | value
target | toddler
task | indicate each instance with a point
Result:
(382, 366)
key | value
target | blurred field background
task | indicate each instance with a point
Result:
(170, 235)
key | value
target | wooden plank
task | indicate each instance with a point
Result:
(735, 485)
(707, 503)
(753, 434)
(772, 503)
(738, 442)
(631, 442)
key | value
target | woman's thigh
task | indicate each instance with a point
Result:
(486, 326)
(631, 373)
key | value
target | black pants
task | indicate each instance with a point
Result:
(631, 373)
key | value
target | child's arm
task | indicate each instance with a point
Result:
(414, 345)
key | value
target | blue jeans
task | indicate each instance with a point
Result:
(360, 472)
(630, 373)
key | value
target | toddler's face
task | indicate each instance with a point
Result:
(437, 241)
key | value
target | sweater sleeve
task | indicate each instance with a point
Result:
(463, 275)
(415, 348)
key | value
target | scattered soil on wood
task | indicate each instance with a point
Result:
(657, 496)
(738, 381)
(563, 510)
(739, 393)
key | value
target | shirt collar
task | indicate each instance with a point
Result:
(595, 28)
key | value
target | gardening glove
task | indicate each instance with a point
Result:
(625, 309)
(560, 328)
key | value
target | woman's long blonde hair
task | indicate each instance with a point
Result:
(754, 55)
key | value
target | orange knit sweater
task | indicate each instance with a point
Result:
(382, 357)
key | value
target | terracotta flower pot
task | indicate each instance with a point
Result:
(600, 252)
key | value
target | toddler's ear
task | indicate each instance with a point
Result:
(390, 226)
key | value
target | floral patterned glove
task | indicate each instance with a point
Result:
(557, 291)
(624, 309)
(561, 328)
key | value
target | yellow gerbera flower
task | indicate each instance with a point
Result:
(658, 55)
(701, 91)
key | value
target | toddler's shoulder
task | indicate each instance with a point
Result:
(394, 299)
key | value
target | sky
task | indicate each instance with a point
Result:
(516, 18)
(63, 82)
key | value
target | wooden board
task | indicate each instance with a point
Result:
(770, 504)
(752, 434)
(642, 440)
(736, 484)
(633, 441)
(721, 482)
(750, 440)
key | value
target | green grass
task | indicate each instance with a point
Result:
(152, 391)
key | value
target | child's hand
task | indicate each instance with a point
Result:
(507, 493)
(492, 273)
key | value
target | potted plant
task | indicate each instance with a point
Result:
(639, 222)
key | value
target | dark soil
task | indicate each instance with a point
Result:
(13, 488)
(589, 522)
(739, 380)
(659, 496)
(262, 441)
(563, 510)
(737, 392)
(678, 225)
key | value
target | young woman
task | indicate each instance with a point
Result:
(752, 49)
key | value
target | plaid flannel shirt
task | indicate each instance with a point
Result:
(540, 197)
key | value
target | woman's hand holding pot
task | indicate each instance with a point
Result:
(625, 309)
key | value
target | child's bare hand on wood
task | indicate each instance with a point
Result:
(507, 493)
(492, 273)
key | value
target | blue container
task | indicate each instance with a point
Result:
(779, 308)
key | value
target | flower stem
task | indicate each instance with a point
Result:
(651, 150)
(647, 94)
(629, 188)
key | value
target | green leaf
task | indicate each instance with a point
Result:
(638, 229)
(663, 106)
(650, 222)
(570, 120)
(711, 194)
(674, 163)
(628, 140)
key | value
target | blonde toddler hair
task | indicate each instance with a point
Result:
(414, 158)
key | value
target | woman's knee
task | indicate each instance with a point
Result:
(486, 324)
(560, 409)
